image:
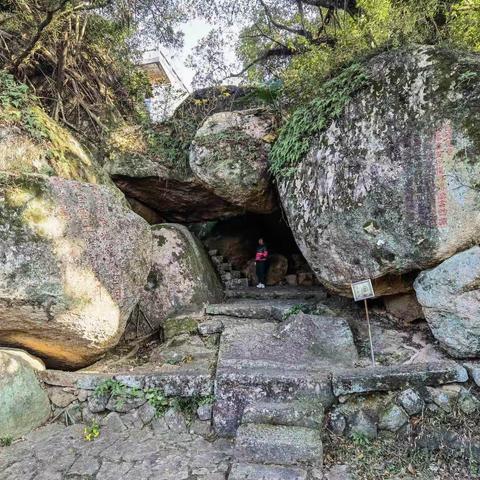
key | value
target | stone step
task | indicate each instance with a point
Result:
(257, 471)
(250, 309)
(213, 253)
(300, 294)
(226, 276)
(278, 445)
(236, 283)
(299, 413)
(225, 267)
(217, 260)
(396, 377)
(236, 274)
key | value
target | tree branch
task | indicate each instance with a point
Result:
(347, 5)
(36, 37)
(273, 52)
(296, 31)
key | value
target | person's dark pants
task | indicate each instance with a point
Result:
(261, 269)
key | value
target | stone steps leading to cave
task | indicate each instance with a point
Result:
(274, 310)
(297, 413)
(278, 445)
(257, 471)
(231, 278)
(299, 294)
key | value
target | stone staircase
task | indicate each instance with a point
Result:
(231, 279)
(279, 441)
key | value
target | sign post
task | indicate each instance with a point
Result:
(362, 291)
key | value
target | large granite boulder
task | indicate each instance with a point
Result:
(73, 256)
(152, 166)
(73, 261)
(450, 298)
(182, 278)
(24, 404)
(389, 186)
(229, 157)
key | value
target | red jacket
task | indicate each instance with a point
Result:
(262, 254)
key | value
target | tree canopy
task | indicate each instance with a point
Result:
(301, 41)
(78, 56)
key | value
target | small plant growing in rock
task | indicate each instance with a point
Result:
(157, 400)
(360, 439)
(110, 387)
(6, 441)
(91, 432)
(293, 310)
(207, 400)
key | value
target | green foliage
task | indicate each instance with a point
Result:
(373, 26)
(157, 400)
(299, 308)
(360, 439)
(154, 396)
(17, 105)
(110, 387)
(6, 441)
(91, 432)
(168, 143)
(297, 134)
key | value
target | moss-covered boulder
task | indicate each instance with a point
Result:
(24, 404)
(73, 256)
(32, 142)
(151, 164)
(229, 156)
(182, 278)
(73, 260)
(389, 184)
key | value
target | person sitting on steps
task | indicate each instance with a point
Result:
(261, 263)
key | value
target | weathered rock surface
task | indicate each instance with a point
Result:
(57, 154)
(392, 419)
(306, 414)
(74, 259)
(24, 405)
(411, 401)
(450, 298)
(258, 471)
(404, 308)
(387, 188)
(328, 338)
(229, 157)
(380, 379)
(278, 445)
(363, 424)
(181, 277)
(55, 452)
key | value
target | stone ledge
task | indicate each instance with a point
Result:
(377, 379)
(180, 384)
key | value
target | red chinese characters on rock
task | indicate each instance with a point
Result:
(443, 150)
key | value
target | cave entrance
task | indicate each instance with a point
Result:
(236, 240)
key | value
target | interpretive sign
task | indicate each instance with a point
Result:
(362, 290)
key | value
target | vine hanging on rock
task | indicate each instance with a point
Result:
(297, 134)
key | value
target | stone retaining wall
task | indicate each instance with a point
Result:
(84, 397)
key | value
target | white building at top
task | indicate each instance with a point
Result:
(168, 88)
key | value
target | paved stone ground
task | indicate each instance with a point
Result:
(56, 452)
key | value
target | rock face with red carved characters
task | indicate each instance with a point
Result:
(391, 186)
